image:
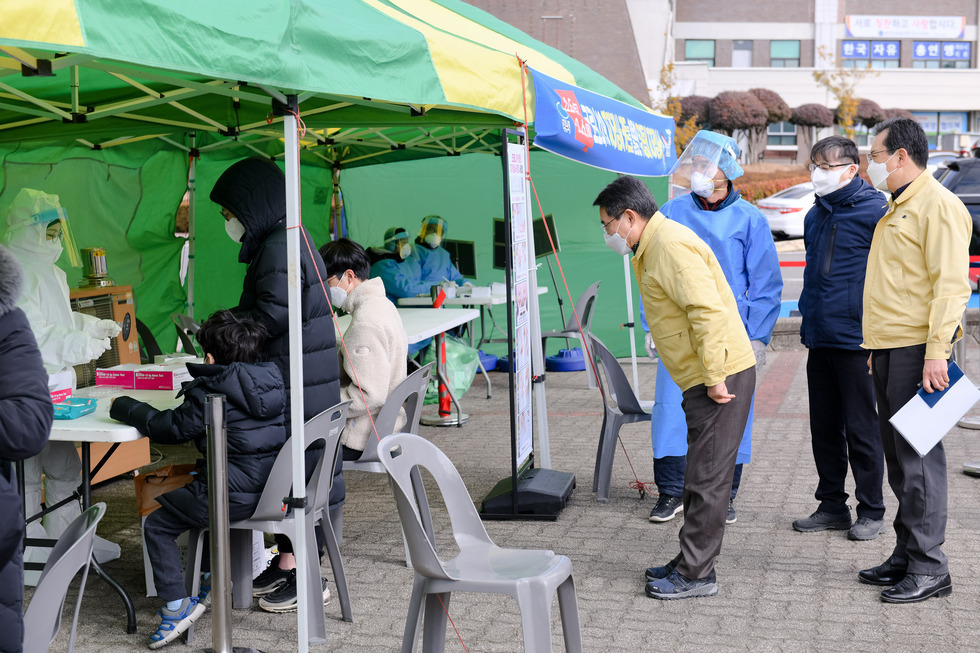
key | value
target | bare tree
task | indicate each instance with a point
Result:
(778, 111)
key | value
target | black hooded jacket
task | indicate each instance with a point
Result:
(25, 423)
(255, 422)
(254, 190)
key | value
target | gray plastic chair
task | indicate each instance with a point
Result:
(532, 577)
(186, 328)
(410, 393)
(269, 517)
(585, 309)
(621, 407)
(71, 553)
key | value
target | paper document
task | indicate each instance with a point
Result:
(927, 417)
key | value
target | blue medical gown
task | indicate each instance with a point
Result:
(739, 237)
(401, 278)
(435, 265)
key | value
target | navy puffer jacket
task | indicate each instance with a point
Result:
(254, 190)
(255, 423)
(837, 234)
(25, 423)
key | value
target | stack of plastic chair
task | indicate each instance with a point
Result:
(531, 577)
(71, 553)
(621, 407)
(269, 517)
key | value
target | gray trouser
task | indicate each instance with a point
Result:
(919, 483)
(713, 433)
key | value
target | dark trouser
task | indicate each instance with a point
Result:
(844, 426)
(336, 505)
(160, 530)
(11, 599)
(713, 433)
(919, 483)
(668, 474)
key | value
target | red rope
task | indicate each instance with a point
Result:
(452, 624)
(636, 483)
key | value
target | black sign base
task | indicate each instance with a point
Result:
(541, 494)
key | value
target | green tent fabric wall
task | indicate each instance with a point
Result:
(468, 192)
(123, 199)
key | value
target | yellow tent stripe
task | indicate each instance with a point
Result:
(471, 73)
(51, 21)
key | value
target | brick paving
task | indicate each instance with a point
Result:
(779, 590)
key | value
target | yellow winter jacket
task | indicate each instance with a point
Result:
(917, 283)
(689, 305)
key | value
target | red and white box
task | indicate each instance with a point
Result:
(162, 377)
(122, 376)
(59, 385)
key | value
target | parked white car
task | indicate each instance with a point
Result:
(939, 160)
(786, 209)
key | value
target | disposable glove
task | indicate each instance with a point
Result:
(759, 348)
(95, 347)
(104, 329)
(649, 346)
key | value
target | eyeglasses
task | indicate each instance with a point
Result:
(605, 225)
(872, 155)
(828, 166)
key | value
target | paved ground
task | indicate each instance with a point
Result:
(779, 590)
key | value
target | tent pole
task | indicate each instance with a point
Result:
(294, 297)
(629, 323)
(192, 196)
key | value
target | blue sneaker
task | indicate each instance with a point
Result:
(678, 586)
(175, 622)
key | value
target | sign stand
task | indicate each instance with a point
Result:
(540, 493)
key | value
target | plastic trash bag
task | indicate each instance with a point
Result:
(462, 362)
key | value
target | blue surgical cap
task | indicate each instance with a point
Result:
(718, 147)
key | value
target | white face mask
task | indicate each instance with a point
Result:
(337, 296)
(827, 181)
(878, 173)
(702, 184)
(617, 243)
(433, 240)
(235, 229)
(405, 251)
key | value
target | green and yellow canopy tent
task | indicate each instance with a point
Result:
(111, 104)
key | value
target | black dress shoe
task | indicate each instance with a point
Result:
(890, 572)
(918, 587)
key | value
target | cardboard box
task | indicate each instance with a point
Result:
(123, 376)
(59, 384)
(127, 457)
(162, 377)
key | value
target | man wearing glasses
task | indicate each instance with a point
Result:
(915, 293)
(843, 424)
(696, 327)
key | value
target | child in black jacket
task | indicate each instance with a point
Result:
(256, 400)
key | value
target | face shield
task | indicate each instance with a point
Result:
(708, 163)
(433, 231)
(398, 242)
(39, 225)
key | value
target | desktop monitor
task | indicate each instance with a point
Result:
(542, 246)
(463, 255)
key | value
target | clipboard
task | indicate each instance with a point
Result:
(929, 416)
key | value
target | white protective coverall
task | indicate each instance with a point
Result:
(65, 338)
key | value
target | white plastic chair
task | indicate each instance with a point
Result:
(186, 329)
(585, 309)
(624, 408)
(71, 553)
(269, 517)
(532, 577)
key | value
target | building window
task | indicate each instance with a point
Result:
(784, 54)
(861, 137)
(945, 54)
(941, 122)
(781, 133)
(741, 54)
(699, 50)
(870, 54)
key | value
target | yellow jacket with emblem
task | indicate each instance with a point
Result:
(917, 283)
(693, 316)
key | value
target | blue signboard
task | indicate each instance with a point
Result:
(854, 49)
(885, 49)
(599, 131)
(956, 50)
(926, 50)
(952, 50)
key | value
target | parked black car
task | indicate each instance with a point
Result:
(962, 176)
